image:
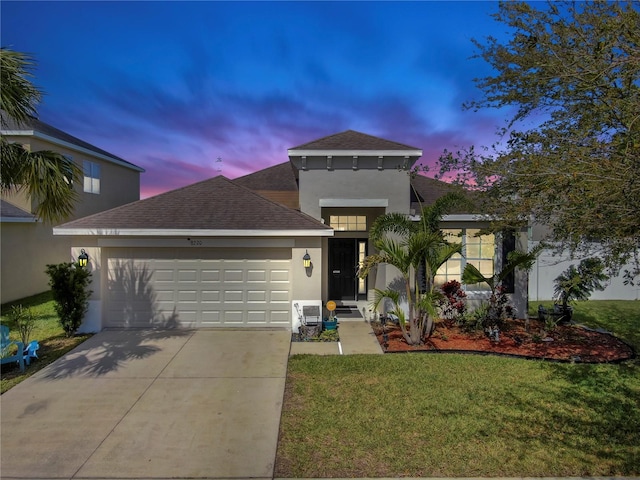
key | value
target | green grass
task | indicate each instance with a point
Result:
(464, 415)
(619, 317)
(48, 332)
(442, 415)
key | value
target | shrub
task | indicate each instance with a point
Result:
(499, 308)
(474, 319)
(579, 283)
(24, 320)
(453, 304)
(69, 284)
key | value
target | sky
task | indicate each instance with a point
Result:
(191, 90)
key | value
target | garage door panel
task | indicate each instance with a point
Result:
(233, 275)
(256, 276)
(187, 276)
(256, 296)
(282, 317)
(279, 276)
(165, 295)
(198, 292)
(211, 296)
(187, 296)
(232, 317)
(233, 296)
(162, 275)
(209, 275)
(256, 316)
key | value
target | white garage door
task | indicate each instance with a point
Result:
(198, 288)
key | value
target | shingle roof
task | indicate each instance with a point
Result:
(213, 204)
(352, 140)
(281, 177)
(9, 125)
(8, 210)
(430, 189)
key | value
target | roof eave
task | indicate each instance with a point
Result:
(351, 153)
(72, 146)
(142, 232)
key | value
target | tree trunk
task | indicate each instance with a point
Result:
(430, 326)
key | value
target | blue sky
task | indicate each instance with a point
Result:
(172, 86)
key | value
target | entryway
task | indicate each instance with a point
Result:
(344, 257)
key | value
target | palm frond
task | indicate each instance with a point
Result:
(380, 295)
(18, 96)
(471, 275)
(49, 178)
(431, 215)
(391, 223)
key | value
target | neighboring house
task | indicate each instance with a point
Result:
(230, 253)
(551, 263)
(27, 244)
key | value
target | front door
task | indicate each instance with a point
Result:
(343, 267)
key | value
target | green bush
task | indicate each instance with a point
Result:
(24, 320)
(69, 284)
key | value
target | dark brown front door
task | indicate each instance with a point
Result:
(343, 266)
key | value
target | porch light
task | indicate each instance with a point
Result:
(83, 258)
(306, 260)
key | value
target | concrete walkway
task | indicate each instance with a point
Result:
(150, 404)
(356, 337)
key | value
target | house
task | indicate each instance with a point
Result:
(551, 263)
(252, 252)
(27, 243)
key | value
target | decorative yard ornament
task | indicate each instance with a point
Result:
(83, 258)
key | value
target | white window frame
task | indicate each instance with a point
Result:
(442, 276)
(348, 223)
(92, 172)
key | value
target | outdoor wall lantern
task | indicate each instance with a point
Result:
(306, 260)
(83, 258)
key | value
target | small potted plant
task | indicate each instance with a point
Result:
(330, 323)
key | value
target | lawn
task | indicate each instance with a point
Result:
(465, 415)
(442, 415)
(48, 332)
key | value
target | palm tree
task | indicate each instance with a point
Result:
(579, 283)
(413, 247)
(46, 176)
(495, 308)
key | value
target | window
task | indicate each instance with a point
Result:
(348, 223)
(477, 250)
(91, 177)
(362, 253)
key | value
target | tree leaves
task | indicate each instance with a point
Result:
(572, 156)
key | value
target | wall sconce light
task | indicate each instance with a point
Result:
(306, 260)
(83, 258)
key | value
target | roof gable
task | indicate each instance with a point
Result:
(10, 213)
(215, 204)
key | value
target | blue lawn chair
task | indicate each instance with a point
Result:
(6, 349)
(31, 351)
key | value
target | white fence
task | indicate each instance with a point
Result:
(548, 267)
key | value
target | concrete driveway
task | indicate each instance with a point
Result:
(150, 404)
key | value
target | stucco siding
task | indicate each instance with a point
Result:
(389, 185)
(33, 246)
(26, 250)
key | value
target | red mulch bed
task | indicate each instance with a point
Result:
(570, 343)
